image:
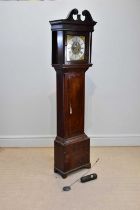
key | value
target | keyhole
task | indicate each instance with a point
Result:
(70, 109)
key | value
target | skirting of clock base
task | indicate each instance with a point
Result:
(71, 154)
(65, 174)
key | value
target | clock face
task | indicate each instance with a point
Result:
(75, 49)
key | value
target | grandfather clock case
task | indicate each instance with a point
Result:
(71, 58)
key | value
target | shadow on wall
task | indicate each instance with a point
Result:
(90, 90)
(52, 114)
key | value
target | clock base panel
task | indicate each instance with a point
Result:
(71, 154)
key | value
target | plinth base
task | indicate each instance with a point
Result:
(65, 174)
(71, 154)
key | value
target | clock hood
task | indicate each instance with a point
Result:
(76, 25)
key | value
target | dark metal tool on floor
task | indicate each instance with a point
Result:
(88, 178)
(84, 178)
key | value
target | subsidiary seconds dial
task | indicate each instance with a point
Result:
(75, 48)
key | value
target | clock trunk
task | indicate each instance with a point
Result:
(72, 145)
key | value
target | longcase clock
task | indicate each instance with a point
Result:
(71, 58)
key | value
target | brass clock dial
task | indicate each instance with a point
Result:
(75, 49)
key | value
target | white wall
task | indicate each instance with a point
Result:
(27, 80)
